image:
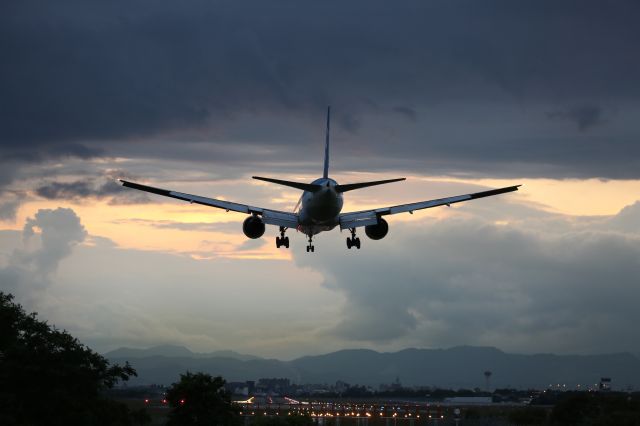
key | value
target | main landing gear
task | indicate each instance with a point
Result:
(310, 246)
(282, 240)
(353, 241)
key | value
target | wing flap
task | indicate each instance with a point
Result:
(272, 217)
(355, 220)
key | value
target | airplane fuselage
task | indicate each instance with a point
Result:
(320, 210)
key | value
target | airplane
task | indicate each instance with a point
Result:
(319, 208)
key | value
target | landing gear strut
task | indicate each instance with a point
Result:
(282, 240)
(310, 246)
(353, 241)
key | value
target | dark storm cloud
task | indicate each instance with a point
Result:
(81, 189)
(408, 113)
(105, 186)
(82, 78)
(585, 116)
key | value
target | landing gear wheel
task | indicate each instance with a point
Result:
(307, 249)
(282, 240)
(353, 241)
(313, 249)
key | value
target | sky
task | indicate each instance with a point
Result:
(457, 96)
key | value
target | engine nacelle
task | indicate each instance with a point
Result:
(253, 227)
(377, 231)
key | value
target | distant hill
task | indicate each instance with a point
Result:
(458, 367)
(175, 351)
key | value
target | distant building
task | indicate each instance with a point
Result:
(605, 384)
(469, 400)
(395, 386)
(238, 388)
(275, 386)
(341, 386)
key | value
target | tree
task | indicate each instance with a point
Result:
(49, 377)
(199, 399)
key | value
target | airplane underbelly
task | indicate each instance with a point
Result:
(314, 229)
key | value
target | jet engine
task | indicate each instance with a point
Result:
(377, 231)
(253, 227)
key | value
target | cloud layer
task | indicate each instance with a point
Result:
(453, 86)
(544, 283)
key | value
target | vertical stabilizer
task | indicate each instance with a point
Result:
(325, 173)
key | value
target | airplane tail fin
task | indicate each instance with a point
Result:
(352, 186)
(325, 173)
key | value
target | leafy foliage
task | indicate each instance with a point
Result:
(49, 377)
(200, 399)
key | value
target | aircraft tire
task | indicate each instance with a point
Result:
(349, 243)
(286, 242)
(357, 243)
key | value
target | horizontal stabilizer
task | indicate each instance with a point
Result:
(352, 186)
(311, 187)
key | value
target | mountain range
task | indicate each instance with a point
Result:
(457, 367)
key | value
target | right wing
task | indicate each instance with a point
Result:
(270, 217)
(370, 217)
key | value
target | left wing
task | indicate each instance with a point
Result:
(270, 217)
(370, 217)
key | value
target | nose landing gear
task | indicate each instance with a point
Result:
(353, 241)
(310, 247)
(282, 240)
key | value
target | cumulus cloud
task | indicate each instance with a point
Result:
(48, 238)
(546, 284)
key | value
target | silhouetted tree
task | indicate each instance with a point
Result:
(199, 399)
(48, 377)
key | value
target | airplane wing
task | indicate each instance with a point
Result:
(270, 217)
(370, 217)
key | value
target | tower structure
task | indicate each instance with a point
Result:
(487, 379)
